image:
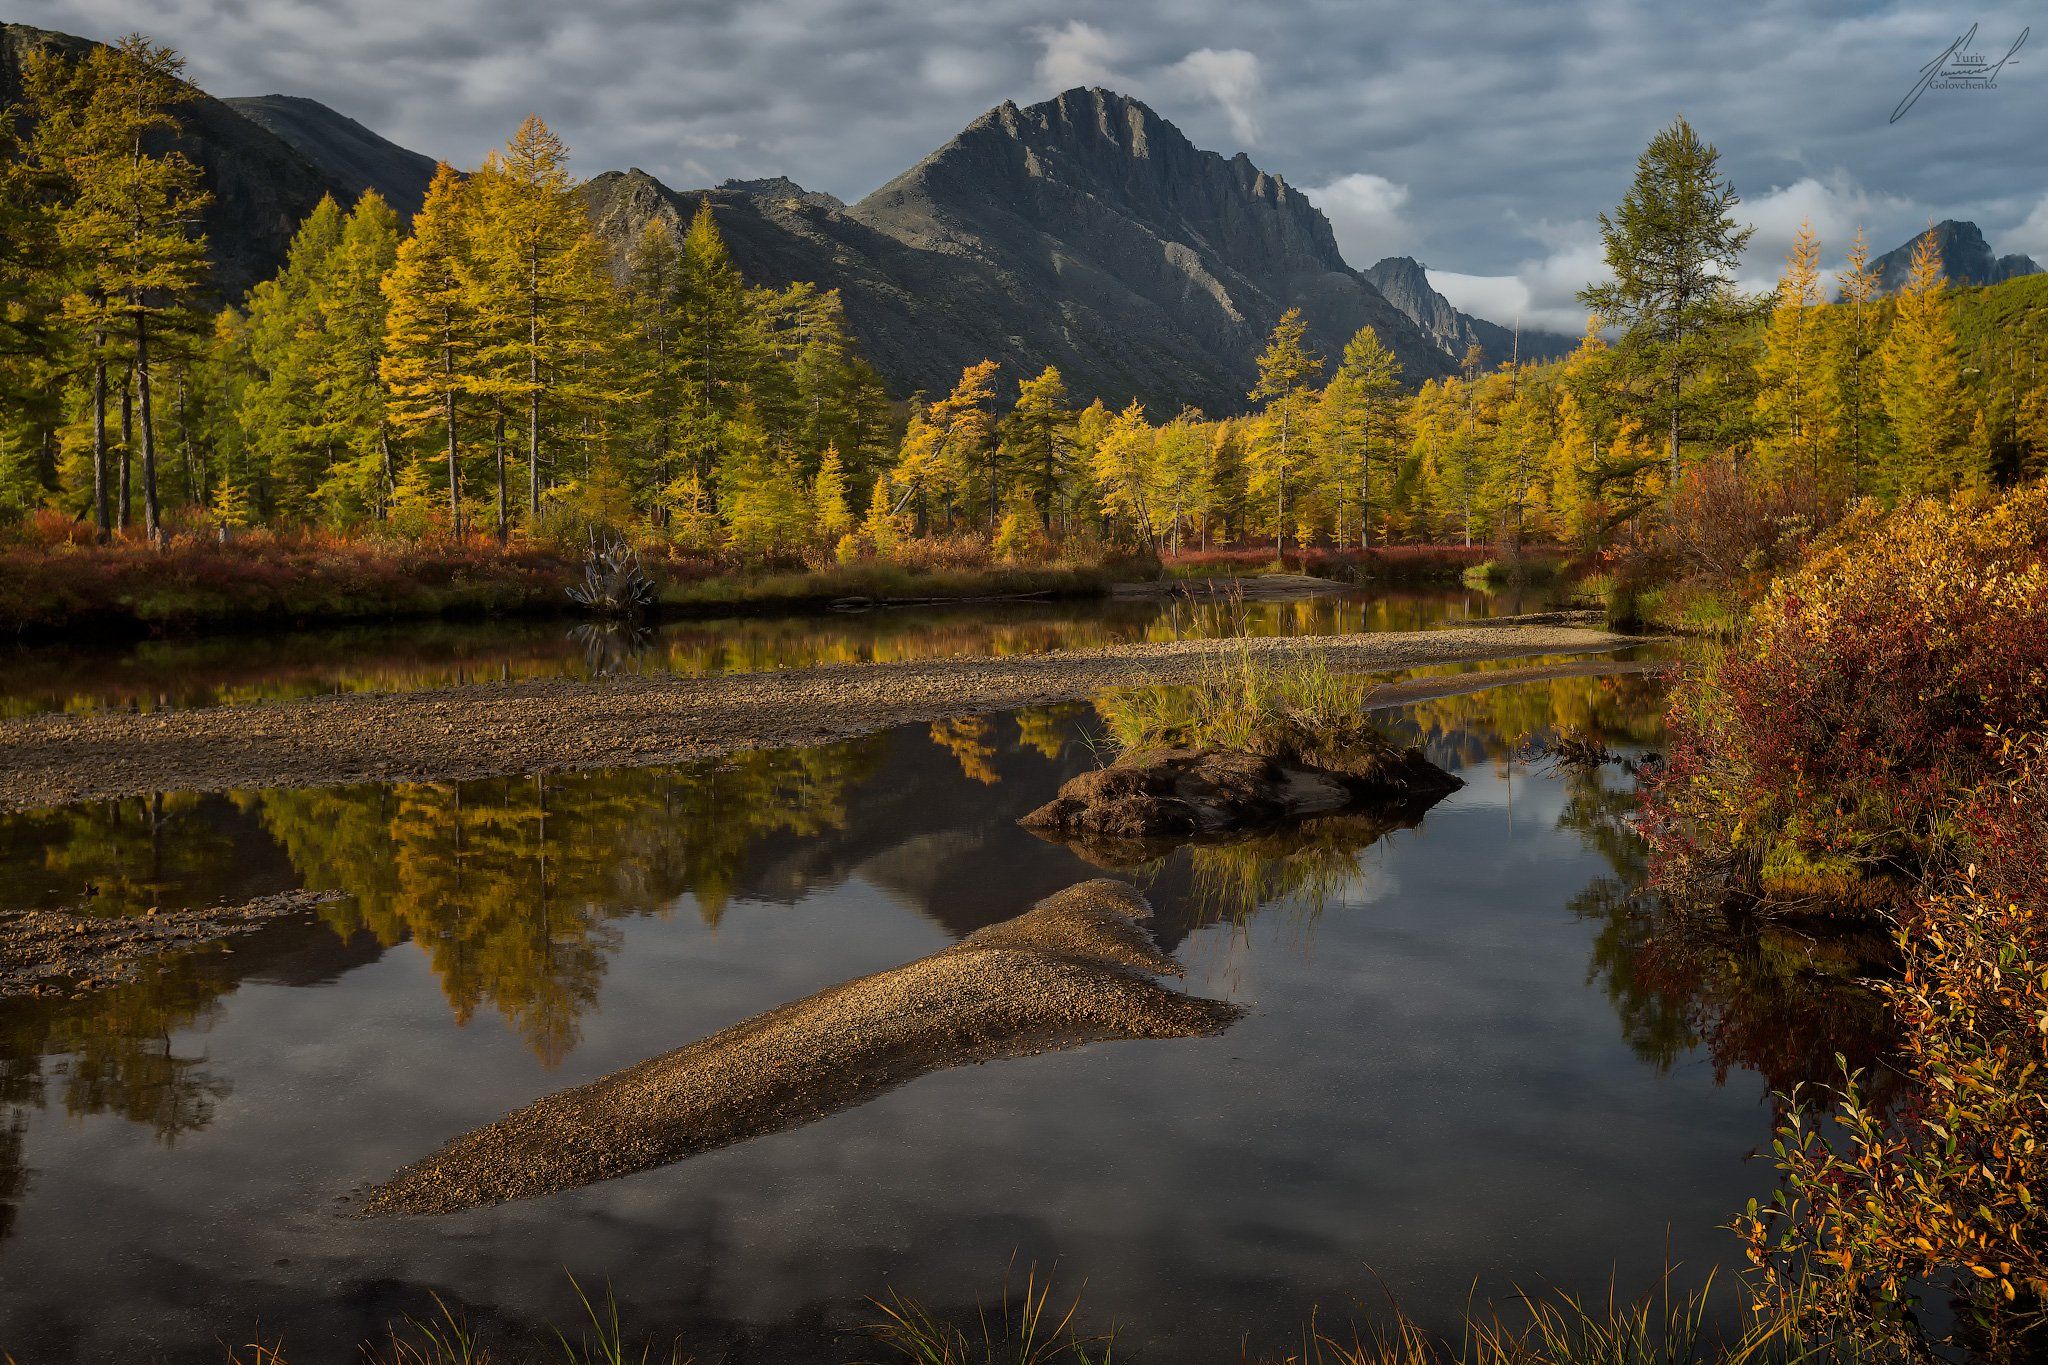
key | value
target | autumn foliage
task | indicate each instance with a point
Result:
(1821, 756)
(1941, 1199)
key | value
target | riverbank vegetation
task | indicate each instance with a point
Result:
(1872, 748)
(491, 370)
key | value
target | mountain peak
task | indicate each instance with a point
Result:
(1966, 258)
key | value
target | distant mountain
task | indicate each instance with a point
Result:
(1085, 232)
(1405, 283)
(346, 153)
(1965, 258)
(262, 186)
(782, 187)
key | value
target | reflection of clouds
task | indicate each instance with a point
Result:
(1428, 1091)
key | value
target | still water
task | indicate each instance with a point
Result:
(235, 670)
(1457, 1066)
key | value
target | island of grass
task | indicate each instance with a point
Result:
(1257, 742)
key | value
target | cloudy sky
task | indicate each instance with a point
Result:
(1481, 139)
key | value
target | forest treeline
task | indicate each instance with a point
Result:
(493, 368)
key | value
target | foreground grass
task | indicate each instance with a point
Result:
(1029, 1324)
(1240, 703)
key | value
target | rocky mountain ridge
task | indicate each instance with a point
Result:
(1966, 258)
(1405, 283)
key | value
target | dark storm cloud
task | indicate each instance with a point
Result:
(1482, 139)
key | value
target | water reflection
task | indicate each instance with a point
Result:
(231, 671)
(510, 884)
(1466, 1053)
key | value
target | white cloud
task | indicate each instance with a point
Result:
(1229, 76)
(1835, 207)
(1365, 211)
(1540, 292)
(952, 69)
(1077, 54)
(1483, 296)
(2031, 236)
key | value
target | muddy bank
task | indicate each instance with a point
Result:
(490, 730)
(1077, 968)
(1155, 794)
(54, 952)
(1271, 587)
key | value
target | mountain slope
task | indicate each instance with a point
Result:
(1965, 258)
(1085, 232)
(1137, 262)
(262, 187)
(1405, 283)
(346, 153)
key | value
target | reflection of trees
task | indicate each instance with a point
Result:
(510, 884)
(112, 1052)
(1619, 709)
(1308, 867)
(216, 671)
(1047, 730)
(1777, 1003)
(110, 857)
(967, 739)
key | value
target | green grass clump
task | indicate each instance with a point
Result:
(1241, 701)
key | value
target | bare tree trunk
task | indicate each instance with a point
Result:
(1365, 497)
(454, 470)
(152, 514)
(121, 512)
(498, 443)
(102, 518)
(533, 444)
(1674, 437)
(1280, 521)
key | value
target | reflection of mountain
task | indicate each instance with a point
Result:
(13, 1169)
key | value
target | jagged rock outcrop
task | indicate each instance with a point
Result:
(350, 156)
(1085, 232)
(1405, 283)
(262, 186)
(1965, 258)
(782, 187)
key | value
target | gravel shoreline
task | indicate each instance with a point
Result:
(489, 730)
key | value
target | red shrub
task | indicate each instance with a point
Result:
(1833, 740)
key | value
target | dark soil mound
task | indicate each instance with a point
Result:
(1293, 775)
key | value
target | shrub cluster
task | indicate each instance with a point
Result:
(1946, 1195)
(1821, 755)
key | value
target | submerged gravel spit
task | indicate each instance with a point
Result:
(1077, 968)
(491, 730)
(56, 952)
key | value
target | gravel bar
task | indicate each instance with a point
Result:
(494, 729)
